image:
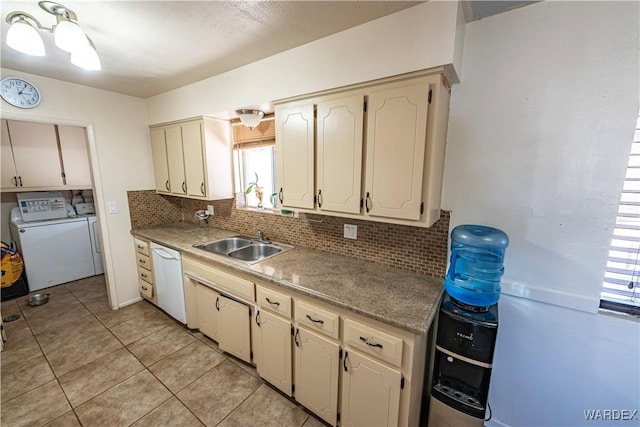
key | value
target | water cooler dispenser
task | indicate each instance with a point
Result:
(467, 328)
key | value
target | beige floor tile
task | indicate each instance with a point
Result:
(88, 381)
(88, 288)
(247, 367)
(112, 318)
(124, 403)
(171, 413)
(160, 344)
(314, 422)
(67, 420)
(266, 407)
(17, 329)
(70, 332)
(97, 304)
(67, 358)
(58, 317)
(35, 408)
(141, 326)
(19, 350)
(31, 374)
(9, 307)
(208, 341)
(186, 365)
(214, 395)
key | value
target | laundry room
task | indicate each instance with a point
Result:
(56, 232)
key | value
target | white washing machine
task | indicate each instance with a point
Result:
(88, 211)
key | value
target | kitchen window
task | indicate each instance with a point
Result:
(621, 286)
(254, 161)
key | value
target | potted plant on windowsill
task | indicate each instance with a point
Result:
(259, 192)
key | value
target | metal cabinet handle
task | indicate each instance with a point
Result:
(144, 276)
(276, 303)
(140, 247)
(366, 341)
(315, 320)
(166, 184)
(184, 187)
(142, 261)
(344, 361)
(367, 199)
(218, 303)
(258, 318)
(280, 196)
(15, 181)
(144, 288)
(296, 336)
(319, 198)
(202, 188)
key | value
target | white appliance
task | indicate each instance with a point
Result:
(88, 211)
(54, 251)
(167, 279)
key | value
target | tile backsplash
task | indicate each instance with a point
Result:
(422, 250)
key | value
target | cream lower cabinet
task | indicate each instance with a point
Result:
(317, 362)
(370, 392)
(272, 353)
(220, 305)
(145, 270)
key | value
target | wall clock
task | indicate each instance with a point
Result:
(19, 92)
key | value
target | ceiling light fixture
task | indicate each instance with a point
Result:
(250, 118)
(68, 36)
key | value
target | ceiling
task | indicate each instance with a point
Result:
(149, 47)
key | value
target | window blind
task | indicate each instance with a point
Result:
(261, 136)
(621, 285)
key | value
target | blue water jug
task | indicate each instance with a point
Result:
(476, 267)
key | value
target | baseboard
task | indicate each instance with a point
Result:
(133, 301)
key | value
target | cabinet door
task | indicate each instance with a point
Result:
(274, 359)
(75, 155)
(339, 154)
(370, 392)
(175, 159)
(295, 156)
(207, 301)
(8, 171)
(317, 364)
(233, 331)
(193, 159)
(160, 161)
(35, 151)
(396, 138)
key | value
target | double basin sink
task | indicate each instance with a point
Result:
(244, 249)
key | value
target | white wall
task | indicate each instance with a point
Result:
(420, 37)
(121, 160)
(539, 136)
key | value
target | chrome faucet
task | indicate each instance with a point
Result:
(260, 236)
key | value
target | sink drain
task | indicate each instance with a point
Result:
(11, 318)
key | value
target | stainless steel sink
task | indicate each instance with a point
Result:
(257, 251)
(244, 249)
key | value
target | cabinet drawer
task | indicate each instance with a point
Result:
(372, 341)
(317, 319)
(141, 246)
(221, 280)
(145, 275)
(143, 261)
(146, 289)
(274, 301)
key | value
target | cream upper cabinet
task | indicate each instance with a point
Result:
(160, 160)
(379, 150)
(75, 156)
(273, 338)
(317, 362)
(193, 159)
(36, 156)
(370, 392)
(9, 174)
(339, 154)
(295, 160)
(396, 139)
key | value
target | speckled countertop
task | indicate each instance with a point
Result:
(399, 298)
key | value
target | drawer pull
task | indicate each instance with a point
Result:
(366, 341)
(142, 261)
(140, 247)
(144, 288)
(144, 276)
(315, 320)
(344, 361)
(276, 303)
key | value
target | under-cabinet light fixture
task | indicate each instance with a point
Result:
(23, 35)
(250, 118)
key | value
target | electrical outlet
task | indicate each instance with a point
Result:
(351, 231)
(210, 209)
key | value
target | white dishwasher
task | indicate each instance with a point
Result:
(168, 281)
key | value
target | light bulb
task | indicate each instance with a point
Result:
(23, 37)
(86, 58)
(69, 36)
